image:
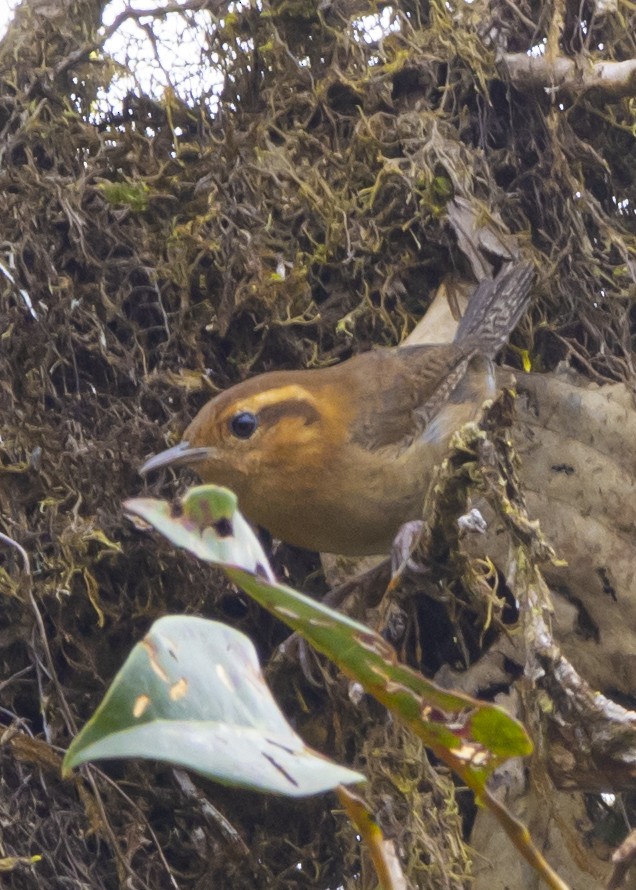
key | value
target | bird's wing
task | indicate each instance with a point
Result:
(422, 380)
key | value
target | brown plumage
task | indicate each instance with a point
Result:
(336, 459)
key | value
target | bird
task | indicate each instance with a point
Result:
(337, 459)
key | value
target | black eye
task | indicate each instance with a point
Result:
(244, 424)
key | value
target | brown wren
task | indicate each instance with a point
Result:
(336, 459)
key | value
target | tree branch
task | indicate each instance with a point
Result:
(563, 76)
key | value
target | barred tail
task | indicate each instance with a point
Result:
(495, 308)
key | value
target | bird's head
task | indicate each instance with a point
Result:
(267, 438)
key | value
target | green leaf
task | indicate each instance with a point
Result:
(192, 693)
(470, 736)
(473, 737)
(206, 522)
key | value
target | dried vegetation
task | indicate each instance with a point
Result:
(160, 249)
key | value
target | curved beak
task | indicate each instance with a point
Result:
(178, 455)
